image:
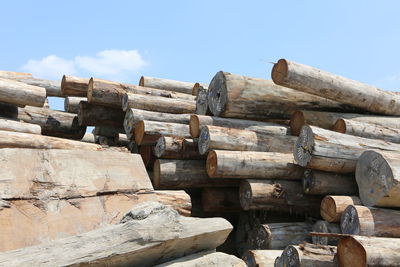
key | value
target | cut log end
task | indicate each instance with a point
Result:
(328, 209)
(304, 146)
(139, 132)
(245, 195)
(350, 223)
(204, 141)
(202, 106)
(290, 257)
(125, 102)
(141, 81)
(90, 91)
(194, 126)
(217, 94)
(320, 227)
(159, 148)
(308, 181)
(297, 121)
(340, 126)
(212, 163)
(351, 253)
(279, 71)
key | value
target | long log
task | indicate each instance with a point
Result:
(237, 96)
(326, 183)
(202, 107)
(148, 132)
(17, 126)
(332, 207)
(261, 258)
(176, 148)
(179, 200)
(19, 93)
(74, 86)
(215, 137)
(361, 220)
(251, 164)
(71, 103)
(149, 234)
(96, 115)
(321, 83)
(325, 227)
(220, 199)
(360, 251)
(378, 178)
(165, 84)
(325, 150)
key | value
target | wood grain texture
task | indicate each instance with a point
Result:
(96, 115)
(19, 93)
(17, 126)
(332, 207)
(74, 86)
(148, 132)
(166, 84)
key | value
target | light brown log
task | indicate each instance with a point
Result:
(251, 164)
(321, 83)
(325, 227)
(19, 93)
(148, 132)
(279, 195)
(325, 150)
(176, 148)
(165, 84)
(133, 116)
(14, 74)
(215, 137)
(146, 152)
(158, 104)
(17, 126)
(182, 174)
(236, 96)
(378, 178)
(202, 107)
(332, 207)
(74, 86)
(197, 122)
(71, 103)
(224, 199)
(327, 183)
(361, 220)
(95, 115)
(179, 200)
(361, 251)
(261, 258)
(149, 234)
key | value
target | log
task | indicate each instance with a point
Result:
(327, 120)
(12, 75)
(202, 107)
(197, 122)
(176, 148)
(165, 84)
(215, 137)
(332, 207)
(179, 200)
(95, 115)
(146, 152)
(360, 251)
(74, 86)
(236, 96)
(19, 93)
(378, 179)
(163, 235)
(327, 183)
(220, 199)
(205, 258)
(148, 132)
(133, 116)
(158, 104)
(183, 174)
(71, 103)
(308, 255)
(360, 220)
(251, 164)
(197, 87)
(17, 126)
(261, 258)
(280, 195)
(325, 150)
(325, 227)
(321, 83)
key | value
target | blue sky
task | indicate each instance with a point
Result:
(192, 40)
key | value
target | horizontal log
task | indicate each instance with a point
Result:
(96, 115)
(17, 126)
(148, 132)
(179, 200)
(325, 227)
(261, 258)
(165, 84)
(332, 207)
(71, 103)
(328, 183)
(14, 74)
(176, 148)
(74, 86)
(19, 93)
(220, 199)
(205, 258)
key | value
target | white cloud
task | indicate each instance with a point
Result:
(50, 67)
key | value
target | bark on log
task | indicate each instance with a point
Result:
(251, 164)
(261, 258)
(237, 96)
(165, 84)
(332, 207)
(280, 195)
(378, 178)
(149, 234)
(19, 93)
(215, 137)
(71, 103)
(176, 148)
(74, 86)
(146, 152)
(360, 220)
(158, 104)
(325, 150)
(321, 83)
(327, 183)
(179, 200)
(107, 131)
(220, 199)
(148, 132)
(360, 251)
(17, 126)
(183, 174)
(95, 115)
(202, 107)
(325, 227)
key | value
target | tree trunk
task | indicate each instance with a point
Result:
(71, 103)
(236, 96)
(360, 220)
(332, 207)
(95, 115)
(361, 251)
(179, 200)
(320, 83)
(220, 199)
(158, 104)
(74, 86)
(251, 164)
(183, 174)
(327, 183)
(279, 195)
(146, 152)
(19, 93)
(261, 258)
(165, 84)
(202, 107)
(378, 178)
(148, 132)
(205, 258)
(326, 227)
(215, 137)
(176, 148)
(21, 127)
(164, 235)
(197, 122)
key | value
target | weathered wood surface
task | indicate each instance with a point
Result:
(179, 200)
(107, 131)
(225, 199)
(378, 178)
(236, 96)
(327, 183)
(261, 258)
(96, 115)
(71, 103)
(202, 107)
(148, 132)
(360, 251)
(321, 83)
(332, 207)
(176, 148)
(149, 234)
(251, 164)
(17, 126)
(325, 227)
(215, 137)
(166, 84)
(19, 93)
(74, 86)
